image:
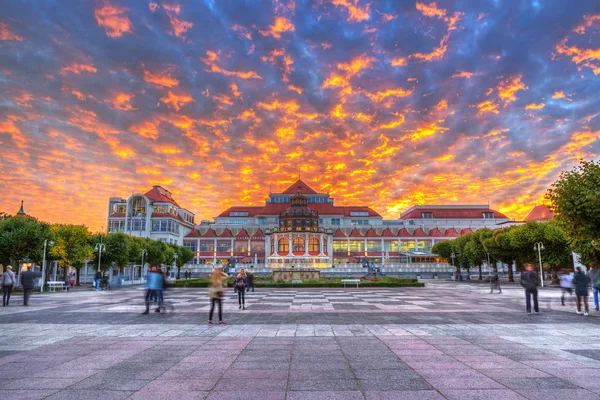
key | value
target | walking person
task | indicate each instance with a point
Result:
(27, 279)
(566, 285)
(154, 284)
(97, 279)
(594, 275)
(250, 283)
(240, 285)
(218, 280)
(8, 283)
(581, 282)
(495, 282)
(530, 282)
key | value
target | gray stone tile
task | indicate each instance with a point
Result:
(251, 385)
(404, 395)
(180, 385)
(90, 395)
(262, 395)
(464, 383)
(325, 395)
(558, 394)
(174, 395)
(30, 394)
(41, 383)
(394, 384)
(536, 383)
(494, 394)
(321, 385)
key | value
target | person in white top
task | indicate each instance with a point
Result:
(566, 284)
(8, 282)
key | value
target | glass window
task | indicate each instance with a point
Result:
(374, 245)
(155, 226)
(207, 246)
(488, 215)
(223, 246)
(298, 245)
(427, 215)
(390, 245)
(340, 246)
(257, 246)
(359, 213)
(283, 245)
(357, 246)
(313, 245)
(193, 246)
(335, 221)
(241, 246)
(407, 246)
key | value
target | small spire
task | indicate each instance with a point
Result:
(21, 211)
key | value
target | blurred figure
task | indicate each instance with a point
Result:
(240, 285)
(218, 280)
(185, 275)
(106, 281)
(594, 275)
(495, 282)
(566, 285)
(581, 282)
(97, 279)
(154, 283)
(530, 282)
(27, 279)
(250, 283)
(8, 283)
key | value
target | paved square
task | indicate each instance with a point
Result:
(444, 341)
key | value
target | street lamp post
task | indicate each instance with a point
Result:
(144, 253)
(539, 246)
(175, 265)
(46, 243)
(100, 248)
(452, 257)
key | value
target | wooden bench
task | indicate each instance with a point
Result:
(52, 285)
(344, 281)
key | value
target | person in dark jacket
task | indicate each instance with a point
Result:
(530, 281)
(594, 275)
(250, 282)
(495, 282)
(97, 279)
(240, 285)
(27, 279)
(581, 282)
(8, 282)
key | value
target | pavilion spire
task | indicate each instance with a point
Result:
(21, 211)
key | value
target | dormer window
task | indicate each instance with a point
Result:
(427, 215)
(488, 215)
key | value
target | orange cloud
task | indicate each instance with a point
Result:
(211, 60)
(487, 106)
(146, 129)
(589, 58)
(113, 19)
(437, 53)
(446, 157)
(179, 27)
(463, 74)
(559, 94)
(429, 130)
(281, 25)
(508, 88)
(163, 78)
(9, 126)
(79, 68)
(381, 95)
(176, 101)
(153, 6)
(7, 35)
(399, 62)
(356, 13)
(534, 106)
(122, 102)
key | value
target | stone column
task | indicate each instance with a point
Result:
(306, 240)
(290, 245)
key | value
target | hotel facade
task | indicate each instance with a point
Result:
(300, 227)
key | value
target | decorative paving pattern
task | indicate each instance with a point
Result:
(446, 341)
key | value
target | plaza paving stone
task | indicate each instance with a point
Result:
(445, 341)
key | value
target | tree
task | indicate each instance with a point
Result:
(499, 247)
(184, 256)
(71, 246)
(575, 199)
(23, 238)
(474, 249)
(117, 249)
(445, 250)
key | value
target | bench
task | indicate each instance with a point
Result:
(344, 281)
(52, 285)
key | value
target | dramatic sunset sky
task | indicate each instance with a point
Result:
(379, 103)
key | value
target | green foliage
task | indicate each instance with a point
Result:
(71, 245)
(184, 255)
(117, 248)
(575, 198)
(443, 249)
(23, 238)
(323, 282)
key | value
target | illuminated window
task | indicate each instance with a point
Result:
(299, 244)
(374, 245)
(357, 246)
(313, 245)
(340, 246)
(283, 245)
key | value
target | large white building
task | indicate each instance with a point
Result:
(154, 214)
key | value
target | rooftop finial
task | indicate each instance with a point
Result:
(21, 211)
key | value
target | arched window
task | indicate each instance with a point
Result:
(299, 244)
(283, 245)
(313, 245)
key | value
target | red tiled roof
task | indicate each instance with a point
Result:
(117, 215)
(465, 231)
(355, 233)
(321, 208)
(339, 233)
(435, 232)
(387, 233)
(371, 233)
(226, 233)
(210, 233)
(242, 233)
(539, 213)
(299, 186)
(403, 233)
(419, 232)
(194, 233)
(451, 213)
(155, 195)
(259, 233)
(451, 232)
